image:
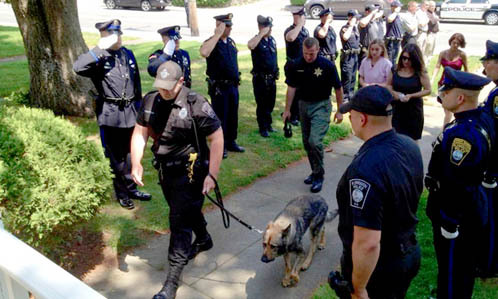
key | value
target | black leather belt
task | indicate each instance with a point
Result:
(351, 51)
(393, 38)
(119, 101)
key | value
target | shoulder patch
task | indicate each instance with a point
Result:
(358, 192)
(208, 110)
(460, 148)
(495, 107)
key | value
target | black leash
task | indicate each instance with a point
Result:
(225, 214)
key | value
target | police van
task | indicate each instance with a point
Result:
(486, 10)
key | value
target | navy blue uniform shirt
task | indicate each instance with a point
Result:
(354, 40)
(313, 81)
(222, 62)
(294, 49)
(328, 43)
(491, 107)
(264, 56)
(380, 190)
(394, 29)
(181, 57)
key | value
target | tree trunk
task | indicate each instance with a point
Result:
(52, 39)
(194, 25)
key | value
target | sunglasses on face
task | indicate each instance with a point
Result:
(405, 58)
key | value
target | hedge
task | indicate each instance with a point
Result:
(51, 177)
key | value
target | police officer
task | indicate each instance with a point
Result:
(310, 80)
(369, 30)
(350, 38)
(114, 72)
(409, 22)
(326, 36)
(179, 120)
(265, 72)
(394, 32)
(378, 197)
(489, 264)
(171, 39)
(223, 79)
(294, 36)
(457, 202)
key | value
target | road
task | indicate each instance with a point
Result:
(144, 24)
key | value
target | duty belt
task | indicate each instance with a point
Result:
(265, 76)
(330, 57)
(392, 38)
(119, 101)
(351, 51)
(222, 82)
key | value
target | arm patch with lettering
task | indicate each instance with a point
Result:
(358, 192)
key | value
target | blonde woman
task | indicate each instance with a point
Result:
(376, 68)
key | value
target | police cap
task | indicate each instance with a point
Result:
(463, 80)
(298, 10)
(396, 3)
(354, 13)
(265, 21)
(111, 26)
(371, 100)
(173, 32)
(369, 7)
(491, 51)
(168, 75)
(326, 11)
(227, 19)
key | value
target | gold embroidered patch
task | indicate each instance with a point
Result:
(495, 107)
(460, 148)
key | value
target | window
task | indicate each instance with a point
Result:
(479, 1)
(457, 1)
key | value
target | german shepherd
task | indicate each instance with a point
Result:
(284, 234)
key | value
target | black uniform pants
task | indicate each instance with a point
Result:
(349, 68)
(393, 47)
(116, 143)
(185, 202)
(392, 275)
(265, 92)
(225, 102)
(408, 39)
(456, 260)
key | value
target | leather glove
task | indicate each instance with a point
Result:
(108, 41)
(169, 48)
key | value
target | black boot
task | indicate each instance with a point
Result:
(200, 245)
(171, 284)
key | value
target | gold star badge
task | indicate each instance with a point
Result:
(318, 72)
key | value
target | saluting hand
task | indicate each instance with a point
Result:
(220, 28)
(137, 172)
(107, 42)
(264, 31)
(338, 117)
(208, 185)
(169, 48)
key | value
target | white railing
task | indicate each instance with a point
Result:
(24, 270)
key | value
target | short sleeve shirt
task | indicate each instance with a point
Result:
(377, 73)
(222, 62)
(294, 49)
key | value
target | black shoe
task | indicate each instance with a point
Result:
(295, 122)
(168, 291)
(271, 130)
(140, 195)
(309, 180)
(126, 203)
(317, 185)
(264, 133)
(225, 154)
(200, 246)
(236, 148)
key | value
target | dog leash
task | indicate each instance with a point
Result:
(225, 214)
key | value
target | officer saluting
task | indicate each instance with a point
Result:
(223, 79)
(171, 39)
(394, 31)
(265, 72)
(326, 36)
(179, 121)
(369, 30)
(350, 38)
(114, 72)
(378, 198)
(457, 199)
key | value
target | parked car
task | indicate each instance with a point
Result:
(145, 5)
(486, 10)
(341, 7)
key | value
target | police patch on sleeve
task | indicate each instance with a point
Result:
(358, 192)
(206, 108)
(460, 148)
(495, 107)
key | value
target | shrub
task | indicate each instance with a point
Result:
(51, 178)
(297, 2)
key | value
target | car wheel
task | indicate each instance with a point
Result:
(491, 18)
(161, 8)
(146, 5)
(111, 4)
(315, 10)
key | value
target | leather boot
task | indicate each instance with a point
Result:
(171, 284)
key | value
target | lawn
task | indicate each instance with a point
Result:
(425, 281)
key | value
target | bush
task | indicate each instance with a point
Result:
(51, 178)
(297, 2)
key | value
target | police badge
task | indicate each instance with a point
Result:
(460, 148)
(495, 107)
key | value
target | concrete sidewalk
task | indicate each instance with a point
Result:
(232, 269)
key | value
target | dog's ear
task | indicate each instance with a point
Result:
(286, 231)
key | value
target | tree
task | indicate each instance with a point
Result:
(53, 40)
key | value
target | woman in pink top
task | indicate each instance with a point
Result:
(376, 67)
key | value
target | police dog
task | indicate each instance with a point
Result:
(284, 234)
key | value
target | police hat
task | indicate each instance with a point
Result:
(173, 32)
(111, 26)
(369, 7)
(371, 100)
(396, 3)
(168, 75)
(298, 10)
(227, 19)
(326, 12)
(491, 51)
(354, 13)
(463, 80)
(265, 21)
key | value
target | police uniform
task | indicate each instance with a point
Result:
(223, 81)
(394, 35)
(265, 73)
(294, 50)
(179, 56)
(457, 202)
(182, 162)
(117, 80)
(313, 83)
(380, 191)
(349, 57)
(328, 48)
(367, 35)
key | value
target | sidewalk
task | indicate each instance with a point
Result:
(232, 269)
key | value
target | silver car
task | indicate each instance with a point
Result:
(341, 7)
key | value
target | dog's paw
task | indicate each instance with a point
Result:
(320, 247)
(294, 278)
(286, 282)
(305, 265)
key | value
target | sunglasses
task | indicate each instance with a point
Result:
(405, 58)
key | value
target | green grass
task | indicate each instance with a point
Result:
(425, 281)
(10, 42)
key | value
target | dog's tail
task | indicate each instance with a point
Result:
(331, 215)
